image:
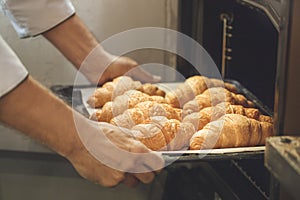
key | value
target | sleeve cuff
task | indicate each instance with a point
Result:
(12, 71)
(33, 17)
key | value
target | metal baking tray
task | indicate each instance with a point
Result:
(78, 95)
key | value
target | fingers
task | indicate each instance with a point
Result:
(130, 155)
(145, 177)
(109, 177)
(151, 161)
(94, 171)
(130, 180)
(131, 68)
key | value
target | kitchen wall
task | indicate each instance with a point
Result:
(104, 18)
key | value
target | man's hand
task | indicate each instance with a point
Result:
(93, 170)
(103, 143)
(126, 66)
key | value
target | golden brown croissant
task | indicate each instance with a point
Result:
(130, 118)
(121, 103)
(212, 97)
(151, 90)
(153, 108)
(143, 111)
(206, 115)
(192, 87)
(165, 134)
(201, 83)
(151, 136)
(158, 99)
(129, 100)
(231, 130)
(111, 90)
(103, 115)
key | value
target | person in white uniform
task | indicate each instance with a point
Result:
(29, 107)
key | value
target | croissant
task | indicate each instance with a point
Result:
(192, 87)
(153, 108)
(151, 136)
(159, 133)
(214, 96)
(103, 115)
(111, 90)
(121, 103)
(231, 130)
(206, 115)
(158, 99)
(126, 101)
(130, 118)
(151, 90)
(143, 111)
(201, 83)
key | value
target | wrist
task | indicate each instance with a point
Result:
(96, 63)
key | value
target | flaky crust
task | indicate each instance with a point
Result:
(130, 118)
(110, 90)
(165, 135)
(151, 90)
(208, 114)
(212, 97)
(192, 87)
(151, 136)
(120, 104)
(144, 111)
(158, 99)
(153, 108)
(231, 130)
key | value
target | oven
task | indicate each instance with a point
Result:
(255, 42)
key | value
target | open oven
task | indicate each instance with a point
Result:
(254, 42)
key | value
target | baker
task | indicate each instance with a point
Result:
(29, 107)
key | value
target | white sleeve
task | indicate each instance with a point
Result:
(12, 71)
(33, 17)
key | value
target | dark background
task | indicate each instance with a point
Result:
(254, 43)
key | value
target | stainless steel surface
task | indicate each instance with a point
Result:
(282, 158)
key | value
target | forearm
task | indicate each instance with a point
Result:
(81, 48)
(33, 110)
(73, 39)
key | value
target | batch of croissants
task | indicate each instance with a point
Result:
(201, 113)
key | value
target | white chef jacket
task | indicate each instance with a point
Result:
(29, 18)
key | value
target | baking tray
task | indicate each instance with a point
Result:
(81, 93)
